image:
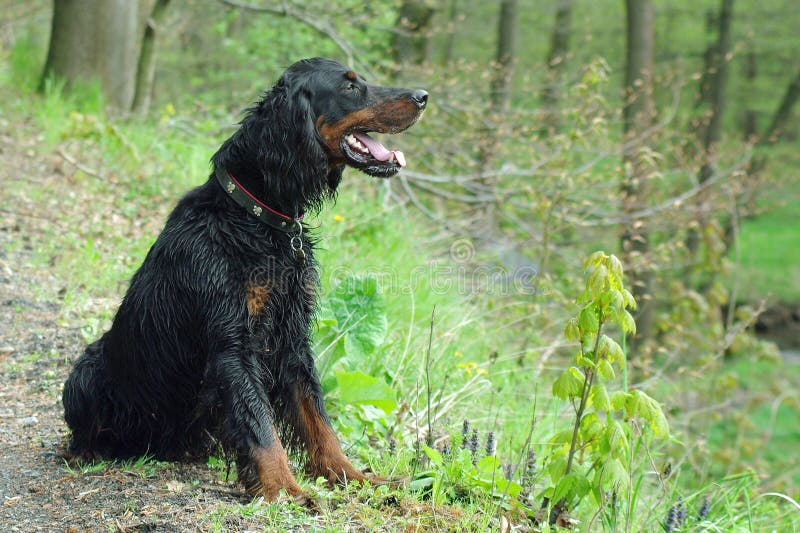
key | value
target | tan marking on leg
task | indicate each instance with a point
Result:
(272, 468)
(325, 454)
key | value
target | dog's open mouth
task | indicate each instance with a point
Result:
(370, 156)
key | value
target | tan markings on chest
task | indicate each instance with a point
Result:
(257, 297)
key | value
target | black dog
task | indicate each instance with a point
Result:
(211, 342)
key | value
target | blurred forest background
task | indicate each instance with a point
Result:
(664, 132)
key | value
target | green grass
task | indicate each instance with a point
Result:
(769, 255)
(145, 467)
(766, 439)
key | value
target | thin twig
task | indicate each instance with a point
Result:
(429, 438)
(80, 166)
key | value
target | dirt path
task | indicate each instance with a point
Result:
(37, 490)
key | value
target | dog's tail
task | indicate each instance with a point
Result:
(86, 407)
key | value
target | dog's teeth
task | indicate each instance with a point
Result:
(355, 144)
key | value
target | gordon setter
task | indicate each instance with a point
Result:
(210, 345)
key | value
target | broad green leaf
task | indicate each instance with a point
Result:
(434, 455)
(599, 397)
(360, 311)
(422, 482)
(562, 437)
(572, 331)
(588, 320)
(581, 485)
(642, 405)
(628, 299)
(659, 424)
(580, 360)
(564, 487)
(595, 259)
(614, 476)
(619, 399)
(609, 349)
(361, 388)
(615, 266)
(617, 439)
(615, 353)
(568, 385)
(591, 426)
(572, 486)
(627, 323)
(488, 466)
(325, 319)
(598, 279)
(504, 486)
(605, 370)
(612, 299)
(556, 467)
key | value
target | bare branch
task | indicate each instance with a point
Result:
(80, 166)
(319, 24)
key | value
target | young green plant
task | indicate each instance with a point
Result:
(593, 456)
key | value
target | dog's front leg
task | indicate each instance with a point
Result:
(261, 459)
(325, 456)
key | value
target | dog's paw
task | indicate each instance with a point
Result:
(393, 483)
(304, 500)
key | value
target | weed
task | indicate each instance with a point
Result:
(222, 468)
(145, 466)
(87, 467)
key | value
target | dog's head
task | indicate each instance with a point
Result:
(316, 119)
(347, 109)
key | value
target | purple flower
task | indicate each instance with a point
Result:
(704, 509)
(465, 434)
(491, 444)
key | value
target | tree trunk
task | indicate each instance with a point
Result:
(709, 69)
(146, 69)
(717, 97)
(450, 42)
(638, 117)
(719, 88)
(784, 112)
(506, 55)
(750, 117)
(411, 39)
(95, 40)
(502, 77)
(556, 60)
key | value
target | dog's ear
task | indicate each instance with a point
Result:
(277, 150)
(311, 159)
(290, 153)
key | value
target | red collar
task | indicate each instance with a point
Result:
(254, 206)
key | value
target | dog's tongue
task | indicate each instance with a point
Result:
(379, 151)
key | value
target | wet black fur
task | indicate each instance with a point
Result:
(184, 366)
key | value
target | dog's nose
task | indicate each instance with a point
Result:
(420, 98)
